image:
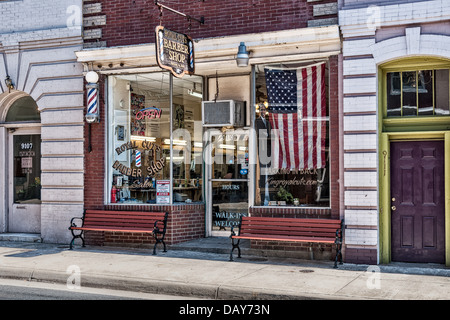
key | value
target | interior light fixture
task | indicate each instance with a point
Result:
(227, 146)
(176, 142)
(141, 138)
(195, 93)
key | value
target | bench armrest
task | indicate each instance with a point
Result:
(73, 224)
(339, 233)
(232, 232)
(156, 228)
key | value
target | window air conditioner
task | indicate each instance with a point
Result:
(223, 113)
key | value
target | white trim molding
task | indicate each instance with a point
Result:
(365, 21)
(410, 45)
(219, 53)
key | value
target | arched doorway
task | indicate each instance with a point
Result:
(21, 142)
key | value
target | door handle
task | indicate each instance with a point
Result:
(393, 208)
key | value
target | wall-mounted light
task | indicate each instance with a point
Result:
(242, 56)
(92, 114)
(9, 83)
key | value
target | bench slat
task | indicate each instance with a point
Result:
(292, 235)
(102, 228)
(285, 238)
(291, 223)
(125, 212)
(288, 227)
(111, 221)
(271, 219)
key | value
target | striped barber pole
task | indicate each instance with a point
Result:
(138, 158)
(191, 54)
(92, 100)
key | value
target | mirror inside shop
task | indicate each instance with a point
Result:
(141, 130)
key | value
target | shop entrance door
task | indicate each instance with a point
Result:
(227, 173)
(24, 214)
(418, 201)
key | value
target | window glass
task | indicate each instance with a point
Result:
(409, 94)
(418, 93)
(394, 106)
(24, 109)
(425, 92)
(291, 125)
(140, 125)
(442, 92)
(187, 138)
(27, 169)
(141, 135)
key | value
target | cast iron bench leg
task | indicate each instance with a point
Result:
(75, 236)
(235, 245)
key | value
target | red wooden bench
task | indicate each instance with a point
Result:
(311, 231)
(154, 223)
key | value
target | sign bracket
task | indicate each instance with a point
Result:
(188, 17)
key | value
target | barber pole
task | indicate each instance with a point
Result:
(92, 100)
(138, 158)
(92, 114)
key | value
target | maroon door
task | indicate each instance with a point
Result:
(417, 191)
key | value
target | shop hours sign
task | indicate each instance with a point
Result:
(174, 51)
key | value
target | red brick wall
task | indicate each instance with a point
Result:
(133, 22)
(184, 222)
(94, 158)
(130, 22)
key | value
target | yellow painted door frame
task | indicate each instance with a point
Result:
(404, 129)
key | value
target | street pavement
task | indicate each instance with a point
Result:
(193, 269)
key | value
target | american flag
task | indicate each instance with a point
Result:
(297, 113)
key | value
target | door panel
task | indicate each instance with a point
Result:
(418, 201)
(25, 186)
(227, 176)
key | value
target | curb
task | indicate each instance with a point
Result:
(202, 291)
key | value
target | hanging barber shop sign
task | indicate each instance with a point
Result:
(174, 51)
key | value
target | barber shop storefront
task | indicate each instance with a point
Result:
(222, 141)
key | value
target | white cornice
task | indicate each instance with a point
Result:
(219, 53)
(365, 21)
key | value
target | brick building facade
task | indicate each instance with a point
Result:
(119, 45)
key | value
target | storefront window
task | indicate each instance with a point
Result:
(418, 93)
(143, 108)
(291, 125)
(187, 138)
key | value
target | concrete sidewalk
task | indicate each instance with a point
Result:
(208, 274)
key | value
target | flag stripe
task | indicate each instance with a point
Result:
(304, 89)
(297, 111)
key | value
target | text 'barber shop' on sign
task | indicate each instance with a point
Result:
(174, 51)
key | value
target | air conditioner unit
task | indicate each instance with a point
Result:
(222, 113)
